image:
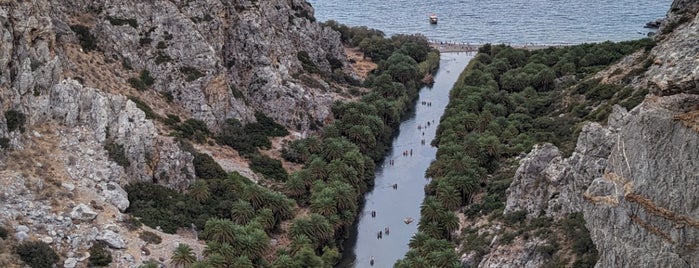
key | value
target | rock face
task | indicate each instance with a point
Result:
(71, 68)
(646, 199)
(635, 179)
(220, 59)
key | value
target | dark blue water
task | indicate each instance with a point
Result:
(501, 21)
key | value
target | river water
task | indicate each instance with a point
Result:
(391, 205)
(500, 21)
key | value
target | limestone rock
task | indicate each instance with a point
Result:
(646, 198)
(21, 236)
(83, 212)
(114, 194)
(112, 239)
(70, 263)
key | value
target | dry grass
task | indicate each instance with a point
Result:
(690, 119)
(361, 66)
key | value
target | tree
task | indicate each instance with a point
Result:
(220, 230)
(430, 209)
(182, 255)
(402, 68)
(199, 191)
(37, 254)
(242, 212)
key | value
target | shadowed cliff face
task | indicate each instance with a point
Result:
(634, 179)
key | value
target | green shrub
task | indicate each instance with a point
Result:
(270, 168)
(206, 167)
(15, 120)
(37, 254)
(162, 57)
(269, 126)
(150, 114)
(99, 255)
(515, 217)
(150, 237)
(117, 153)
(191, 73)
(87, 41)
(143, 81)
(307, 63)
(119, 22)
(193, 129)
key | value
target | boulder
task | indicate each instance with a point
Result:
(112, 239)
(83, 212)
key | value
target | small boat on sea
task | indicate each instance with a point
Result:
(433, 19)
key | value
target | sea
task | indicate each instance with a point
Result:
(515, 22)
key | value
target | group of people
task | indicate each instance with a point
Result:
(379, 235)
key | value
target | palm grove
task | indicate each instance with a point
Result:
(313, 207)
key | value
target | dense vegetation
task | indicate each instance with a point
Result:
(504, 102)
(238, 218)
(339, 165)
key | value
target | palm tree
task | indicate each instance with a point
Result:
(242, 262)
(301, 227)
(294, 186)
(218, 261)
(285, 261)
(431, 209)
(265, 217)
(321, 227)
(217, 248)
(199, 191)
(182, 256)
(253, 244)
(449, 222)
(447, 195)
(281, 205)
(242, 212)
(333, 149)
(443, 258)
(430, 228)
(418, 240)
(323, 204)
(345, 195)
(220, 230)
(317, 169)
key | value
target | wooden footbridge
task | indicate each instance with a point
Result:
(452, 47)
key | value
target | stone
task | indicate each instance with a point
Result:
(115, 195)
(21, 236)
(47, 239)
(22, 228)
(83, 212)
(112, 239)
(69, 186)
(70, 263)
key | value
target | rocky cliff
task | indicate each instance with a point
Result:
(635, 178)
(75, 75)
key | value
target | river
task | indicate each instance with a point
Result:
(391, 205)
(502, 21)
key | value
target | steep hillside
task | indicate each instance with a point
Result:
(96, 95)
